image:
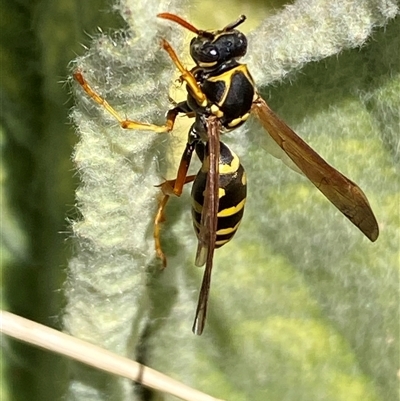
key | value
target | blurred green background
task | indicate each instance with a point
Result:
(38, 40)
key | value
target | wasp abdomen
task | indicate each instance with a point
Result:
(231, 193)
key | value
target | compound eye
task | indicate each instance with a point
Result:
(213, 53)
(209, 53)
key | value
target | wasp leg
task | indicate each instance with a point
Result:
(168, 188)
(186, 75)
(124, 123)
(160, 217)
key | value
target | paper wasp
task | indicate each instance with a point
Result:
(220, 96)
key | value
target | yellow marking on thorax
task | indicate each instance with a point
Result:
(226, 77)
(216, 111)
(238, 120)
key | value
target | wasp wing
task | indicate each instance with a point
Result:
(208, 224)
(342, 192)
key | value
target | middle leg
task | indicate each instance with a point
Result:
(168, 188)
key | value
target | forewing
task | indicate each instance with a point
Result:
(208, 224)
(342, 192)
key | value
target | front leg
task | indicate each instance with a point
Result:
(186, 76)
(123, 122)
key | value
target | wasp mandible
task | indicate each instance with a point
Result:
(221, 95)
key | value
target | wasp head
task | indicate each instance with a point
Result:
(209, 49)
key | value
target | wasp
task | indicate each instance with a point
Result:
(221, 95)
